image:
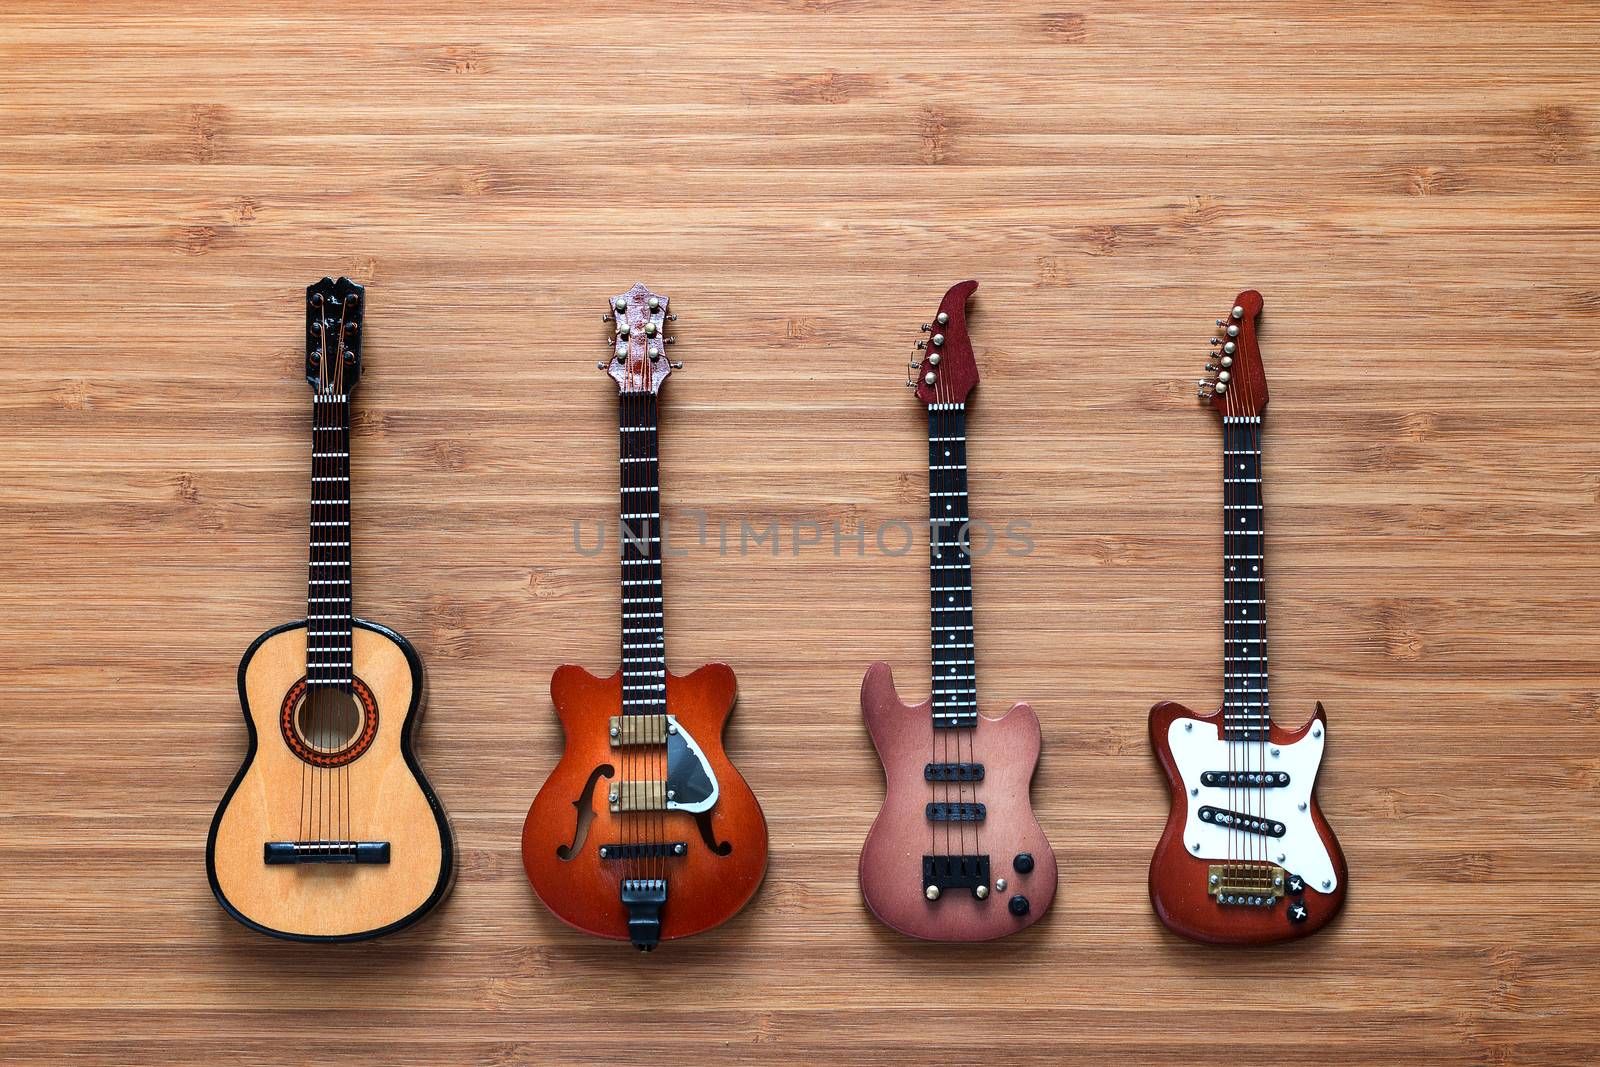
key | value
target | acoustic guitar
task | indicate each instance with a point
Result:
(1247, 856)
(955, 853)
(644, 831)
(330, 831)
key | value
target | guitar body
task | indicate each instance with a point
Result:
(892, 857)
(379, 796)
(725, 847)
(1188, 746)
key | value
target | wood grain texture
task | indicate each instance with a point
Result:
(1413, 188)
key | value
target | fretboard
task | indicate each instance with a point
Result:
(955, 677)
(328, 595)
(644, 658)
(1246, 712)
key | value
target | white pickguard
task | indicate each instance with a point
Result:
(1198, 747)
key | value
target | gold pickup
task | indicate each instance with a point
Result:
(638, 730)
(1245, 879)
(645, 795)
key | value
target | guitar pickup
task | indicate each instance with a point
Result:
(649, 850)
(938, 812)
(276, 853)
(1245, 779)
(1248, 824)
(953, 772)
(641, 795)
(628, 730)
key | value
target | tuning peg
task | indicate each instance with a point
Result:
(933, 359)
(670, 340)
(1216, 341)
(1233, 331)
(927, 326)
(654, 303)
(672, 318)
(1219, 324)
(1220, 388)
(677, 364)
(921, 345)
(600, 365)
(1211, 366)
(1227, 361)
(938, 339)
(930, 377)
(607, 318)
(942, 319)
(1230, 348)
(1237, 312)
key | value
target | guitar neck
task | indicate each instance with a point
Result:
(955, 676)
(1246, 712)
(328, 591)
(644, 657)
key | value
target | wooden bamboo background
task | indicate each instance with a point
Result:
(1412, 186)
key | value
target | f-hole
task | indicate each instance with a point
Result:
(702, 819)
(586, 812)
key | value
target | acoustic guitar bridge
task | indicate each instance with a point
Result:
(281, 852)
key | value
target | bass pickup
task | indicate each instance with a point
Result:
(1245, 779)
(276, 853)
(938, 812)
(953, 772)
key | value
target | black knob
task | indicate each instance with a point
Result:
(1022, 862)
(1018, 905)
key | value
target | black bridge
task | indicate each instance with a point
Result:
(938, 812)
(953, 772)
(955, 872)
(651, 850)
(1245, 823)
(644, 898)
(280, 852)
(1245, 779)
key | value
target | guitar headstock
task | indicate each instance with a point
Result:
(947, 371)
(333, 335)
(638, 362)
(1238, 382)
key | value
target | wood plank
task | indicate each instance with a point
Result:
(1413, 188)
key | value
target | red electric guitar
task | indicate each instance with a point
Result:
(1247, 857)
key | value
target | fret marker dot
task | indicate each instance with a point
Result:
(947, 452)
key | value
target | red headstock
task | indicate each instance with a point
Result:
(947, 372)
(639, 362)
(1238, 383)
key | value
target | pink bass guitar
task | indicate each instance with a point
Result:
(955, 853)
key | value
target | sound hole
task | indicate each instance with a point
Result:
(328, 719)
(328, 727)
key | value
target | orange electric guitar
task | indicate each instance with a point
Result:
(644, 831)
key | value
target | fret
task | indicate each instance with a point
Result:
(643, 652)
(329, 607)
(1245, 681)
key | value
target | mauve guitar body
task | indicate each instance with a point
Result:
(892, 857)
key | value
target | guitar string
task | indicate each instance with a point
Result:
(952, 482)
(299, 714)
